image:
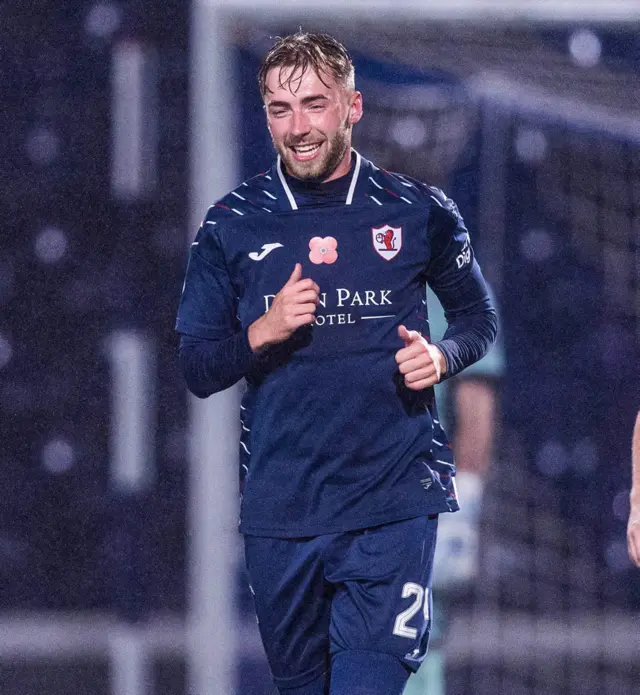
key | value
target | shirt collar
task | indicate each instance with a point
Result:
(352, 186)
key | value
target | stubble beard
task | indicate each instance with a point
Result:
(320, 169)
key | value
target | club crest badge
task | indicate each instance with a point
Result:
(387, 241)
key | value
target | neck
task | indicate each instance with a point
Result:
(343, 168)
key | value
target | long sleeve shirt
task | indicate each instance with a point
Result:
(331, 438)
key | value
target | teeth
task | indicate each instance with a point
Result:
(306, 149)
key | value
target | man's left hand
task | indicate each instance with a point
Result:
(421, 363)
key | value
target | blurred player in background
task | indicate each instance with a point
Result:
(308, 281)
(468, 408)
(633, 527)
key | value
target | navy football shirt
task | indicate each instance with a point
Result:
(332, 439)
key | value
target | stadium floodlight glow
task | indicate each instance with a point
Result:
(134, 120)
(50, 245)
(409, 132)
(531, 145)
(103, 20)
(43, 146)
(537, 245)
(132, 361)
(58, 455)
(585, 48)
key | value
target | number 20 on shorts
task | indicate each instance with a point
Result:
(421, 601)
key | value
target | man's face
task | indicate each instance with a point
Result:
(310, 122)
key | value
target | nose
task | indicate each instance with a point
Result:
(300, 124)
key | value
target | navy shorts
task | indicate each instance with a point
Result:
(360, 590)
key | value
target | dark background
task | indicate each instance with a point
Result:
(78, 263)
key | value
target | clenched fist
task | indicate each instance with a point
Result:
(421, 363)
(294, 306)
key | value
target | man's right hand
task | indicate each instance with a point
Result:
(294, 306)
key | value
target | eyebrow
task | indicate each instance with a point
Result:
(305, 101)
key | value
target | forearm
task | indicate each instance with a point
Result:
(476, 404)
(210, 366)
(468, 338)
(259, 335)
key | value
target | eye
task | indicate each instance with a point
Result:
(278, 111)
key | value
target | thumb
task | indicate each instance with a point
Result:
(295, 276)
(408, 336)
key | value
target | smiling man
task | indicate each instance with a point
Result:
(311, 108)
(308, 281)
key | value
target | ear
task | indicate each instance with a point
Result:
(355, 109)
